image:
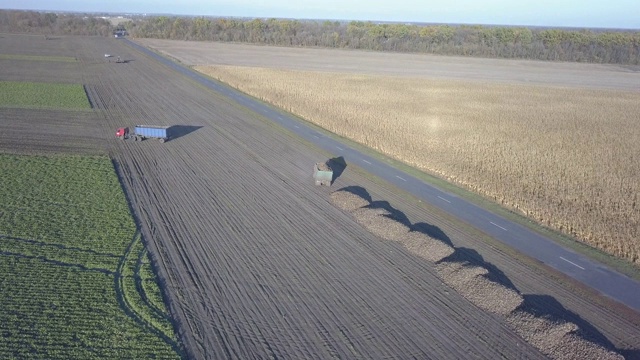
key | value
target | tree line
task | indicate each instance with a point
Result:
(585, 45)
(14, 21)
(576, 45)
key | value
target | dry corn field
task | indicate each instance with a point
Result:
(566, 157)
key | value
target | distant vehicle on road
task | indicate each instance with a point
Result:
(108, 55)
(142, 132)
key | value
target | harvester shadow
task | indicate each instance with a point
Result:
(338, 165)
(471, 257)
(178, 131)
(547, 307)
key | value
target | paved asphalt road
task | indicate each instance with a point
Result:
(607, 281)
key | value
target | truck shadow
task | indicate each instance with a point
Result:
(338, 165)
(178, 131)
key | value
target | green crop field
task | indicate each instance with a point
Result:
(75, 278)
(37, 58)
(43, 95)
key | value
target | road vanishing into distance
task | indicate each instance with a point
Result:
(610, 283)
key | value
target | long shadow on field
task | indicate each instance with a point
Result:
(547, 307)
(461, 255)
(394, 213)
(359, 191)
(473, 258)
(337, 165)
(540, 306)
(431, 231)
(178, 131)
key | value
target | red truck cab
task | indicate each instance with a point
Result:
(122, 132)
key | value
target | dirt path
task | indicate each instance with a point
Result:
(257, 261)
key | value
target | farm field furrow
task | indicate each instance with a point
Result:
(256, 261)
(38, 131)
(477, 70)
(554, 142)
(562, 157)
(265, 277)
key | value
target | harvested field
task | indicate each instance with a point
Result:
(258, 263)
(563, 157)
(487, 289)
(348, 201)
(426, 247)
(470, 282)
(33, 131)
(595, 76)
(380, 223)
(557, 339)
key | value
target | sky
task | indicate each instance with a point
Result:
(566, 13)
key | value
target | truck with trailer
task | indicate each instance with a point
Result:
(142, 132)
(322, 174)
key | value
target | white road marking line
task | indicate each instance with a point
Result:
(400, 178)
(367, 162)
(443, 199)
(572, 263)
(280, 117)
(316, 136)
(492, 223)
(296, 126)
(339, 148)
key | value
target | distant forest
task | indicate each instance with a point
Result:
(555, 44)
(12, 21)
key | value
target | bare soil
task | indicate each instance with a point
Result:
(396, 64)
(256, 262)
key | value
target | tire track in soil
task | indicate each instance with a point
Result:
(257, 262)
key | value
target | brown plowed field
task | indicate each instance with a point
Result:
(510, 71)
(258, 263)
